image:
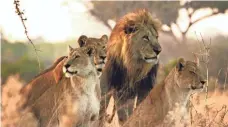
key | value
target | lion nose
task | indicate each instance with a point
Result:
(103, 57)
(67, 66)
(203, 81)
(157, 49)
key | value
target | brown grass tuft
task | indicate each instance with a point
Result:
(12, 114)
(212, 113)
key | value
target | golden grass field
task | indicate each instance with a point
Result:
(211, 112)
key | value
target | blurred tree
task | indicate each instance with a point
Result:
(193, 6)
(220, 5)
(166, 11)
(12, 51)
(105, 10)
(25, 67)
(19, 58)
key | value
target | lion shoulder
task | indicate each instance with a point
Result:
(43, 81)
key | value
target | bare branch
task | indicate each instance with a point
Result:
(205, 53)
(192, 23)
(23, 19)
(226, 73)
(199, 19)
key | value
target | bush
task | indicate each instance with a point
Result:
(25, 67)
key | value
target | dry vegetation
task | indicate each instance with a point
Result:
(210, 113)
(12, 103)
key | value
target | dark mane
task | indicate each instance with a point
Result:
(117, 79)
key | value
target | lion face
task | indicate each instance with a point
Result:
(189, 75)
(134, 45)
(142, 43)
(99, 45)
(79, 62)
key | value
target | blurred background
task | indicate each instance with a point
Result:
(54, 24)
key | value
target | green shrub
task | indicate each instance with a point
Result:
(25, 67)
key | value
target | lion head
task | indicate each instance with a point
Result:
(99, 45)
(188, 75)
(79, 62)
(134, 40)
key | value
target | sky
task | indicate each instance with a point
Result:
(53, 20)
(57, 20)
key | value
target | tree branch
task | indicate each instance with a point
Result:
(190, 24)
(199, 19)
(23, 19)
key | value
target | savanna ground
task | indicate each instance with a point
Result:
(19, 65)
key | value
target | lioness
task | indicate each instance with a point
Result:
(132, 57)
(53, 74)
(183, 79)
(100, 49)
(76, 96)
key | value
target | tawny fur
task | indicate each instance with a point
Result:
(176, 88)
(126, 69)
(76, 98)
(100, 49)
(39, 84)
(119, 39)
(43, 81)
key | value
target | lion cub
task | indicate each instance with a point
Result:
(75, 101)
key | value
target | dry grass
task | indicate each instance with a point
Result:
(109, 111)
(210, 113)
(12, 103)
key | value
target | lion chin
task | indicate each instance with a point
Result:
(100, 66)
(152, 60)
(69, 72)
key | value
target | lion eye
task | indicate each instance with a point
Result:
(76, 56)
(130, 29)
(146, 38)
(193, 72)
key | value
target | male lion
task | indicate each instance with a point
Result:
(53, 74)
(182, 80)
(132, 56)
(76, 96)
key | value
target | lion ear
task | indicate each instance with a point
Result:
(69, 49)
(58, 71)
(82, 40)
(180, 64)
(197, 61)
(104, 38)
